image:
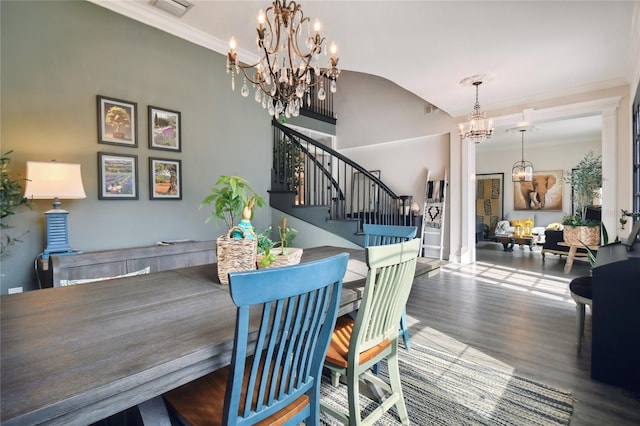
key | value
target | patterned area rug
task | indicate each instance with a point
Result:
(440, 389)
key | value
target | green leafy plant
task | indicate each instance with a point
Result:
(229, 197)
(585, 181)
(575, 220)
(287, 234)
(290, 163)
(266, 244)
(264, 240)
(268, 258)
(11, 199)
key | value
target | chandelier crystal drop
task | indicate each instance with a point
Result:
(522, 171)
(288, 69)
(478, 129)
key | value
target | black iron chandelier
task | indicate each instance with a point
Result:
(522, 171)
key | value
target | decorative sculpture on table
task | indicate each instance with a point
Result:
(245, 223)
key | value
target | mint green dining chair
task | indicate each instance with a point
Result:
(357, 345)
(378, 235)
(284, 322)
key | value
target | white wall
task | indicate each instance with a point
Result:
(403, 164)
(373, 110)
(545, 157)
(382, 126)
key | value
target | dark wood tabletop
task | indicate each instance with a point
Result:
(78, 354)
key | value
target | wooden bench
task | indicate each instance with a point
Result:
(113, 263)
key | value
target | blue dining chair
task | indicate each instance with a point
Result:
(379, 235)
(284, 322)
(357, 345)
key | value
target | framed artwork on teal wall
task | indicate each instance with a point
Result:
(117, 176)
(117, 122)
(165, 180)
(165, 129)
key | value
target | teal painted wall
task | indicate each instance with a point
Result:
(55, 58)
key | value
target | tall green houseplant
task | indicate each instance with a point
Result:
(585, 181)
(11, 199)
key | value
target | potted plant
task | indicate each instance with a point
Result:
(229, 197)
(278, 253)
(592, 253)
(585, 181)
(11, 199)
(232, 197)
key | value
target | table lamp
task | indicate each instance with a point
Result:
(52, 180)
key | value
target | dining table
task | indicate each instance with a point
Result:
(78, 354)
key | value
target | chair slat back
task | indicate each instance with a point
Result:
(389, 280)
(379, 235)
(295, 308)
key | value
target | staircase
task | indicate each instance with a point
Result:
(318, 185)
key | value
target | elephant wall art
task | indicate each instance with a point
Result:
(544, 193)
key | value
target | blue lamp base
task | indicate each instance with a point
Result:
(57, 233)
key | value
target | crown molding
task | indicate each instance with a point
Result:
(144, 13)
(544, 97)
(532, 115)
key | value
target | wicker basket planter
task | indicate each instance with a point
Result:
(578, 235)
(571, 235)
(590, 235)
(235, 254)
(292, 257)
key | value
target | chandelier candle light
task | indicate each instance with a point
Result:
(478, 130)
(285, 74)
(522, 171)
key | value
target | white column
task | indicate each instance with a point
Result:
(456, 213)
(610, 167)
(462, 200)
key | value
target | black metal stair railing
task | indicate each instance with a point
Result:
(320, 109)
(321, 176)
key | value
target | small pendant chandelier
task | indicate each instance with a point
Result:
(478, 129)
(288, 68)
(522, 171)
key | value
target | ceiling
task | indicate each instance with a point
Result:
(531, 49)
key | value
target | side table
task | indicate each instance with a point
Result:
(572, 254)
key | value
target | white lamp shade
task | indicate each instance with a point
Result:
(50, 180)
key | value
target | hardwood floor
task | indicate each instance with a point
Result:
(515, 310)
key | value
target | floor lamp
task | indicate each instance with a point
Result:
(51, 180)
